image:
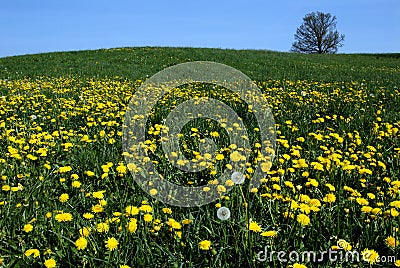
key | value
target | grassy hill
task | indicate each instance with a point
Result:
(68, 197)
(261, 65)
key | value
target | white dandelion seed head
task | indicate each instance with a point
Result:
(237, 177)
(223, 213)
(33, 117)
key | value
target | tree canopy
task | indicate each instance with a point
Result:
(317, 34)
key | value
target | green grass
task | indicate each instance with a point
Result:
(138, 63)
(340, 114)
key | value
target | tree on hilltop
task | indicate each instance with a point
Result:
(317, 35)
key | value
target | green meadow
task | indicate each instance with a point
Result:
(68, 198)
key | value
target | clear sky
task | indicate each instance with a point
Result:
(29, 26)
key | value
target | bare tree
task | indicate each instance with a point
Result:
(317, 34)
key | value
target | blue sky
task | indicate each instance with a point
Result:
(46, 26)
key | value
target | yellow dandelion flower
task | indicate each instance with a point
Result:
(76, 184)
(88, 216)
(174, 224)
(85, 231)
(236, 157)
(229, 183)
(33, 251)
(74, 176)
(304, 198)
(99, 194)
(269, 233)
(305, 208)
(89, 173)
(329, 198)
(167, 210)
(187, 221)
(206, 189)
(6, 188)
(63, 198)
(132, 210)
(132, 225)
(254, 190)
(343, 244)
(97, 208)
(221, 189)
(266, 166)
(146, 208)
(148, 217)
(64, 169)
(205, 245)
(153, 192)
(28, 228)
(81, 243)
(376, 211)
(102, 227)
(253, 226)
(303, 219)
(111, 243)
(121, 169)
(394, 212)
(395, 204)
(63, 217)
(391, 242)
(50, 263)
(298, 265)
(330, 186)
(314, 203)
(369, 255)
(219, 157)
(366, 209)
(362, 201)
(371, 196)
